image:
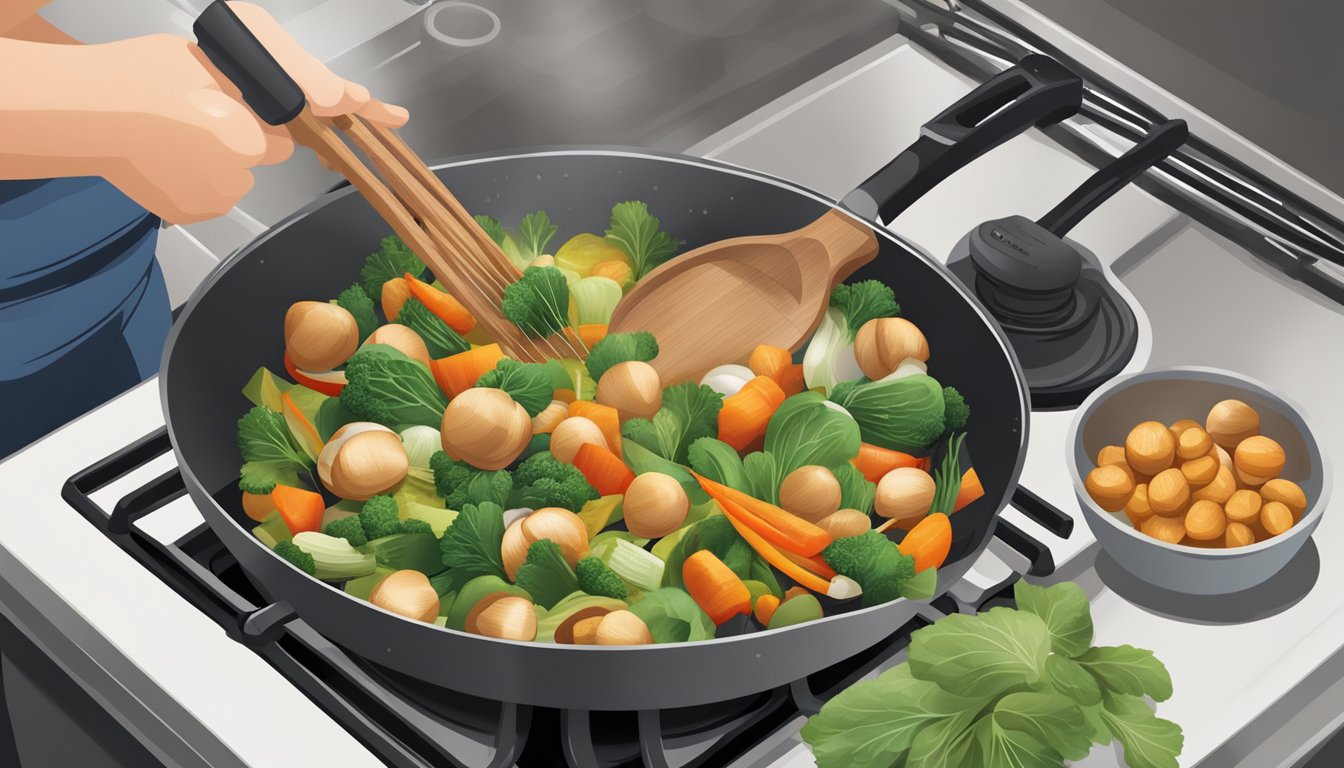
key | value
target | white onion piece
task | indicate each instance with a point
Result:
(328, 455)
(512, 516)
(727, 379)
(908, 367)
(420, 442)
(843, 588)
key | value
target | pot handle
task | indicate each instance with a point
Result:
(237, 53)
(1036, 91)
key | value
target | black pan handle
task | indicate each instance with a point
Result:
(237, 53)
(1161, 141)
(1036, 91)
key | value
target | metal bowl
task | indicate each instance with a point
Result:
(1167, 395)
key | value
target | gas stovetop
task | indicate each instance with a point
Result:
(139, 625)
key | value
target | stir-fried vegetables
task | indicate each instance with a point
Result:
(665, 511)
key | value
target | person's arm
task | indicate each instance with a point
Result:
(38, 30)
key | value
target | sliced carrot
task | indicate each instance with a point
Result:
(744, 415)
(928, 542)
(331, 387)
(300, 509)
(766, 360)
(714, 587)
(736, 514)
(456, 374)
(395, 293)
(814, 563)
(971, 489)
(791, 593)
(604, 416)
(765, 608)
(258, 506)
(441, 304)
(603, 469)
(790, 379)
(587, 334)
(565, 395)
(777, 526)
(299, 426)
(874, 461)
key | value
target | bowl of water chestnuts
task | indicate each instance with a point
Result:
(1197, 480)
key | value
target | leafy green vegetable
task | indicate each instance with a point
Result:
(388, 387)
(874, 562)
(759, 469)
(461, 484)
(392, 259)
(988, 691)
(904, 414)
(637, 232)
(595, 298)
(1129, 670)
(689, 412)
(616, 348)
(856, 491)
(271, 456)
(596, 578)
(863, 301)
(570, 373)
(491, 227)
(921, 586)
(673, 617)
(331, 416)
(947, 477)
(538, 303)
(296, 557)
(955, 410)
(471, 545)
(542, 481)
(719, 462)
(440, 340)
(534, 232)
(545, 574)
(355, 301)
(1067, 617)
(717, 535)
(804, 431)
(409, 551)
(529, 384)
(641, 460)
(379, 517)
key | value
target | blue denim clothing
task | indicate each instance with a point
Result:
(83, 307)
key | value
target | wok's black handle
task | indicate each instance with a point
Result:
(1036, 91)
(1161, 141)
(232, 47)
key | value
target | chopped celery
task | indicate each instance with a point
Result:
(446, 604)
(600, 513)
(440, 621)
(272, 530)
(417, 487)
(334, 558)
(408, 552)
(265, 388)
(638, 567)
(438, 518)
(363, 586)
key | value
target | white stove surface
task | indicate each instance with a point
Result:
(173, 676)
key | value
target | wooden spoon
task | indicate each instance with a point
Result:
(714, 304)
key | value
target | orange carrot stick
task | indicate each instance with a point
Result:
(874, 461)
(714, 587)
(301, 510)
(605, 417)
(746, 414)
(971, 489)
(769, 361)
(804, 577)
(456, 374)
(765, 608)
(784, 529)
(299, 425)
(587, 334)
(814, 563)
(790, 379)
(441, 304)
(603, 469)
(928, 542)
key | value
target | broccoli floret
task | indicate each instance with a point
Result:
(415, 526)
(297, 557)
(386, 386)
(538, 302)
(955, 410)
(542, 481)
(596, 578)
(874, 562)
(460, 483)
(349, 528)
(616, 348)
(863, 301)
(545, 574)
(355, 301)
(393, 259)
(379, 517)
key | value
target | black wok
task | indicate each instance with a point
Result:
(233, 324)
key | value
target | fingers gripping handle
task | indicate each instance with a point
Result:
(1036, 91)
(237, 53)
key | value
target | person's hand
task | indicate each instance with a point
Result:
(173, 132)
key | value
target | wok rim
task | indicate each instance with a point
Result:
(217, 514)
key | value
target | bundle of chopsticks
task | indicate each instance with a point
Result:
(432, 222)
